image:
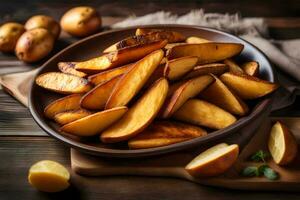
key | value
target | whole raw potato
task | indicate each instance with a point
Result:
(81, 21)
(9, 35)
(43, 21)
(34, 45)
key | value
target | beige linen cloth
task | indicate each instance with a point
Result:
(285, 54)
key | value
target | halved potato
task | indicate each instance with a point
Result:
(212, 68)
(71, 102)
(206, 52)
(203, 113)
(98, 96)
(109, 74)
(282, 144)
(95, 123)
(68, 68)
(139, 116)
(233, 67)
(214, 161)
(246, 86)
(171, 36)
(176, 68)
(196, 40)
(63, 83)
(251, 68)
(188, 89)
(165, 133)
(131, 82)
(70, 116)
(218, 94)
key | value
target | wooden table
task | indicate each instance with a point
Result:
(23, 143)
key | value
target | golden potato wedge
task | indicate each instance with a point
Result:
(213, 68)
(196, 40)
(188, 89)
(70, 116)
(162, 133)
(109, 74)
(70, 102)
(134, 80)
(98, 96)
(95, 123)
(68, 68)
(246, 86)
(139, 116)
(203, 113)
(157, 74)
(233, 67)
(251, 68)
(63, 83)
(178, 67)
(218, 94)
(171, 45)
(206, 52)
(171, 36)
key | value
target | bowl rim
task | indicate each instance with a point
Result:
(128, 153)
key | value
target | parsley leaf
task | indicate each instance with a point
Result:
(249, 171)
(260, 156)
(270, 174)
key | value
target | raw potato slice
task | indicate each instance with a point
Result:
(165, 133)
(63, 83)
(206, 52)
(68, 68)
(185, 91)
(233, 67)
(196, 40)
(70, 116)
(98, 96)
(109, 74)
(282, 144)
(49, 176)
(203, 113)
(171, 36)
(139, 116)
(131, 82)
(218, 94)
(118, 58)
(176, 68)
(71, 102)
(95, 123)
(251, 68)
(214, 161)
(213, 68)
(247, 87)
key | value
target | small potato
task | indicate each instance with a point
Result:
(34, 45)
(43, 21)
(81, 21)
(9, 35)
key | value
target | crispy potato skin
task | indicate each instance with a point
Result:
(9, 35)
(69, 68)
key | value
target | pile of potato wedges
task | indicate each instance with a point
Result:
(153, 89)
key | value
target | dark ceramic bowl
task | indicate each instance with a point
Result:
(90, 47)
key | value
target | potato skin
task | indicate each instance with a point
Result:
(9, 34)
(81, 21)
(34, 45)
(43, 21)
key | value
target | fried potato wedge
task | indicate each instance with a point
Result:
(196, 40)
(246, 86)
(212, 68)
(95, 123)
(63, 83)
(98, 96)
(68, 68)
(219, 94)
(203, 113)
(188, 89)
(109, 74)
(165, 133)
(233, 67)
(70, 116)
(171, 45)
(139, 116)
(134, 80)
(157, 74)
(171, 36)
(206, 52)
(178, 67)
(251, 68)
(70, 102)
